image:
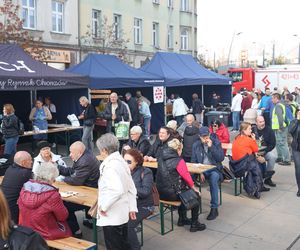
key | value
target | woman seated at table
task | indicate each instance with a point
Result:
(221, 131)
(46, 155)
(41, 206)
(172, 171)
(17, 237)
(143, 180)
(244, 149)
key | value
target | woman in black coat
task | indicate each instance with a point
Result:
(294, 129)
(143, 180)
(10, 129)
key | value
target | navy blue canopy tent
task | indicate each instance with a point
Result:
(182, 70)
(184, 76)
(108, 72)
(19, 71)
(22, 79)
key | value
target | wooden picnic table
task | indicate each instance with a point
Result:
(194, 168)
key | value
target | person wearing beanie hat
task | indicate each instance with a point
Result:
(208, 150)
(46, 155)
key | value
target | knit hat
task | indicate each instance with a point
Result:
(250, 116)
(43, 144)
(172, 124)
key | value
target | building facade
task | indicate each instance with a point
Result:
(149, 26)
(72, 28)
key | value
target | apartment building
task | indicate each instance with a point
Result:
(56, 22)
(148, 25)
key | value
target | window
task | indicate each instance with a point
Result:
(155, 1)
(170, 3)
(57, 16)
(184, 39)
(170, 36)
(96, 22)
(117, 27)
(155, 32)
(184, 5)
(138, 23)
(29, 14)
(236, 76)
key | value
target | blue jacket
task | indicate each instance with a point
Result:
(215, 152)
(253, 181)
(264, 102)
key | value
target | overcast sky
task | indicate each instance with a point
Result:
(262, 23)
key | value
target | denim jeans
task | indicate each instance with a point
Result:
(296, 156)
(271, 159)
(87, 137)
(213, 178)
(10, 147)
(147, 122)
(179, 120)
(236, 119)
(282, 144)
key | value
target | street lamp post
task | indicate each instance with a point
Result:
(230, 47)
(298, 50)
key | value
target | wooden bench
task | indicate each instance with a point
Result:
(71, 243)
(164, 207)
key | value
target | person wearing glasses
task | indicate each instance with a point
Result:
(221, 131)
(294, 129)
(143, 181)
(138, 141)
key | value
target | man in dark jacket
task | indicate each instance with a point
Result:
(198, 108)
(134, 109)
(85, 171)
(15, 176)
(115, 111)
(266, 137)
(208, 150)
(88, 116)
(190, 135)
(138, 141)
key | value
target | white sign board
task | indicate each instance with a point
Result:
(158, 94)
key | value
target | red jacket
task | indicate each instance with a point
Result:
(42, 209)
(222, 133)
(246, 103)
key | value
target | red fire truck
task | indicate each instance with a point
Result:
(273, 77)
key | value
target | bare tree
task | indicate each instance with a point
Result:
(104, 40)
(11, 31)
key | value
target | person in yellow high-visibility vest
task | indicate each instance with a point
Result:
(280, 128)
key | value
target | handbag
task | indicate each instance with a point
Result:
(93, 211)
(189, 198)
(122, 130)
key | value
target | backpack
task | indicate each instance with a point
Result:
(21, 127)
(288, 114)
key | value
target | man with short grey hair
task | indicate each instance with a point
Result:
(15, 177)
(117, 194)
(85, 171)
(115, 111)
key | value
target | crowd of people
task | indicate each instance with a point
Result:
(29, 199)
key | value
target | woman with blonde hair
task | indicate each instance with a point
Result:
(17, 237)
(10, 129)
(173, 176)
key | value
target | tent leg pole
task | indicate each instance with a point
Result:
(165, 104)
(202, 87)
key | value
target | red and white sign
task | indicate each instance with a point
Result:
(158, 94)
